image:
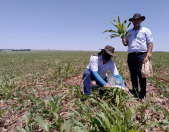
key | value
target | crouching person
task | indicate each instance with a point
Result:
(97, 69)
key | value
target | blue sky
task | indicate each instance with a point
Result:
(77, 24)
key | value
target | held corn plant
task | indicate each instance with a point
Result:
(121, 29)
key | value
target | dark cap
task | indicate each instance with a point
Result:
(137, 15)
(110, 50)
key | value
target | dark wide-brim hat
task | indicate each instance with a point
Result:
(137, 15)
(110, 50)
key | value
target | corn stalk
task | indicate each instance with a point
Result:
(121, 29)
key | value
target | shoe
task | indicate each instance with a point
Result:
(83, 99)
(142, 96)
(133, 92)
(101, 92)
(95, 88)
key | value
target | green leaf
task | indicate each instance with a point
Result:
(118, 19)
(116, 25)
(115, 22)
(125, 21)
(128, 24)
(42, 123)
(80, 129)
(114, 35)
(70, 115)
(47, 102)
(136, 126)
(56, 115)
(149, 125)
(105, 120)
(165, 122)
(96, 121)
(30, 121)
(130, 114)
(117, 100)
(124, 28)
(131, 130)
(111, 31)
(102, 106)
(67, 126)
(58, 120)
(18, 128)
(25, 116)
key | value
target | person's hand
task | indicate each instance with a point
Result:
(93, 83)
(124, 42)
(149, 55)
(126, 89)
(107, 85)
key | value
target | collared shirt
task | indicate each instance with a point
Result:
(96, 64)
(138, 40)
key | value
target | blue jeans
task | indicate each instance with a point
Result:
(135, 65)
(87, 77)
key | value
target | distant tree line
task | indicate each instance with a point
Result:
(21, 50)
(16, 49)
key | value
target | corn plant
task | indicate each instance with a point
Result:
(1, 115)
(111, 119)
(121, 29)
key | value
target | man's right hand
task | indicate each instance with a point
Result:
(124, 42)
(107, 85)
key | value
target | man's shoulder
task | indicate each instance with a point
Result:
(145, 29)
(142, 28)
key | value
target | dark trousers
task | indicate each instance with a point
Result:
(135, 65)
(87, 77)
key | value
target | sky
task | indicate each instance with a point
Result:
(77, 24)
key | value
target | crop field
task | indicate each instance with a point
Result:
(43, 91)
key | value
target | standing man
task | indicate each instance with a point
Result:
(140, 44)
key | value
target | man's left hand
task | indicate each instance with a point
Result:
(149, 55)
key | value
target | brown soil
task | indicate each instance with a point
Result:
(75, 80)
(165, 73)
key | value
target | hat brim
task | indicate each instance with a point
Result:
(142, 17)
(111, 54)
